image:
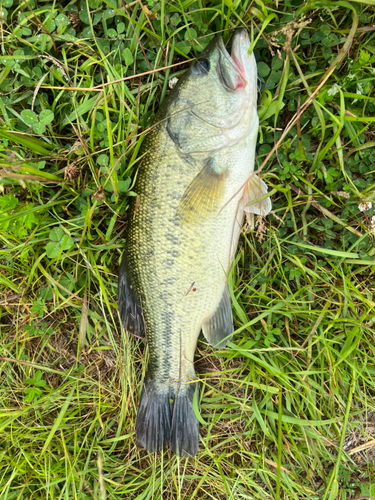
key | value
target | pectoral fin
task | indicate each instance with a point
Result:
(205, 193)
(255, 189)
(218, 328)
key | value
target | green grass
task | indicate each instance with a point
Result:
(288, 407)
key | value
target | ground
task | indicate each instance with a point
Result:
(288, 408)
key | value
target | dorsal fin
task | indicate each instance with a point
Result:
(129, 304)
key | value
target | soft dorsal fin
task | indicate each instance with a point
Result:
(129, 304)
(218, 328)
(256, 188)
(204, 194)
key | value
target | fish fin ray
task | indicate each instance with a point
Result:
(166, 417)
(218, 329)
(254, 189)
(204, 194)
(153, 426)
(129, 303)
(185, 426)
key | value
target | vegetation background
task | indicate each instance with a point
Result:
(287, 410)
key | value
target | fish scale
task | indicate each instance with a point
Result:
(193, 184)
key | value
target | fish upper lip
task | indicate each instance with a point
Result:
(237, 54)
(234, 58)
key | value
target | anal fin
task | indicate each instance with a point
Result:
(218, 328)
(129, 304)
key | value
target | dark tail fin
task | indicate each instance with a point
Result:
(166, 416)
(128, 303)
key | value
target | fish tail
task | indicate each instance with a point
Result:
(166, 417)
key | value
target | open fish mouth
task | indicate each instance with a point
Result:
(233, 67)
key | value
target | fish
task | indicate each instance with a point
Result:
(194, 184)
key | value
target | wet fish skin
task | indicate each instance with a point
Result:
(183, 231)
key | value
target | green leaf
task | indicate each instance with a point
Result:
(61, 20)
(36, 145)
(25, 168)
(58, 421)
(264, 26)
(183, 47)
(103, 160)
(263, 69)
(8, 283)
(94, 4)
(29, 394)
(53, 249)
(7, 3)
(108, 13)
(127, 56)
(120, 28)
(124, 185)
(196, 408)
(257, 413)
(266, 112)
(29, 117)
(87, 32)
(50, 25)
(39, 128)
(56, 234)
(67, 242)
(112, 33)
(83, 108)
(84, 16)
(59, 241)
(46, 116)
(111, 226)
(190, 34)
(97, 18)
(367, 489)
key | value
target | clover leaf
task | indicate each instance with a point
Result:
(59, 241)
(38, 123)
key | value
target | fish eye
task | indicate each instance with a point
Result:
(201, 66)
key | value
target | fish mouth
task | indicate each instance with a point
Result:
(233, 66)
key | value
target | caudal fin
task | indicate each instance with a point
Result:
(166, 417)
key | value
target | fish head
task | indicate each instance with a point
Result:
(214, 104)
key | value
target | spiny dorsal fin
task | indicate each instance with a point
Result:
(254, 189)
(218, 328)
(205, 193)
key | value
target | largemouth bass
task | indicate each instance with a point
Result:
(193, 185)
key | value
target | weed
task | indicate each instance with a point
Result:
(287, 409)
